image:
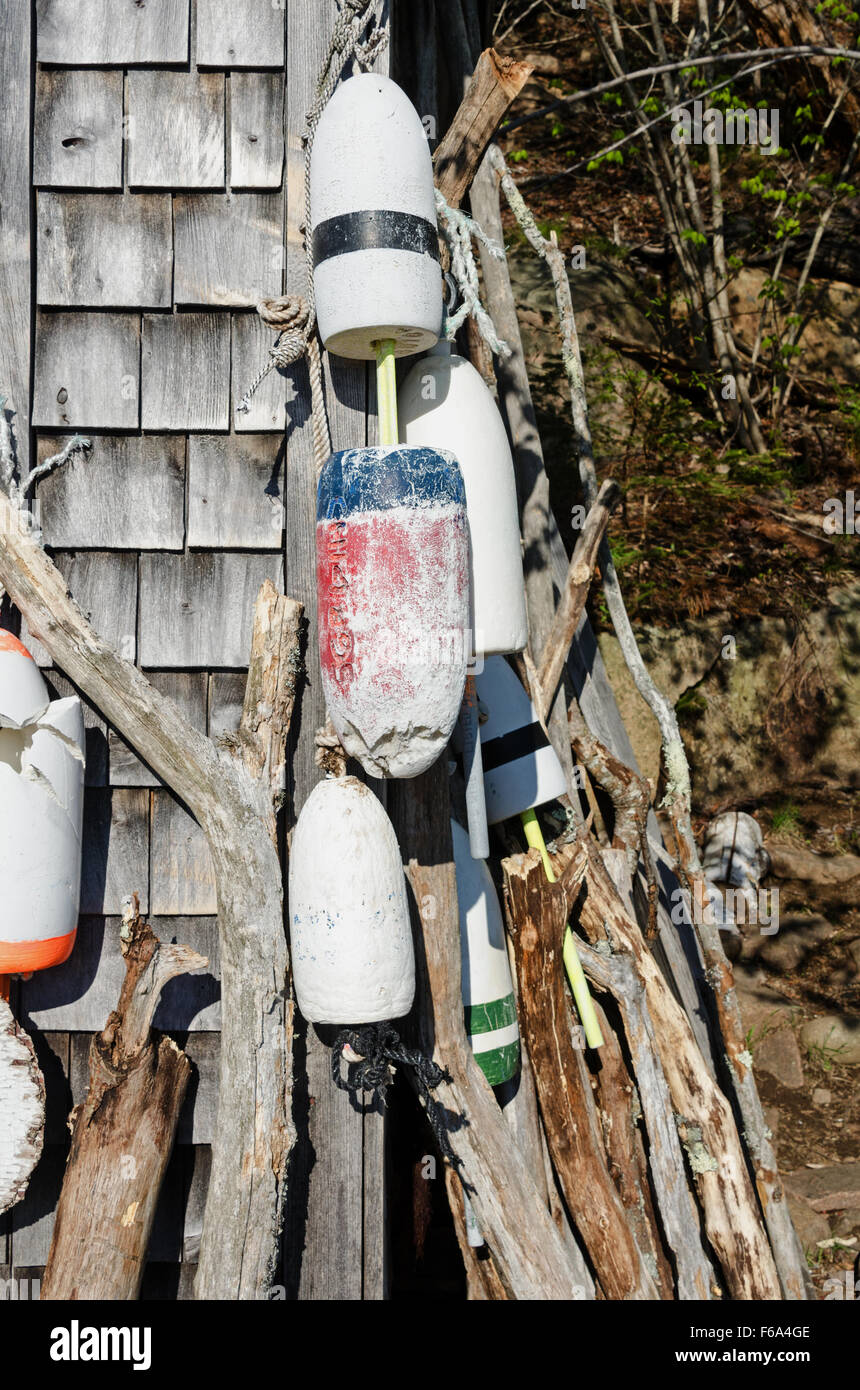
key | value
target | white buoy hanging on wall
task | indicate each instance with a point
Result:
(521, 768)
(488, 991)
(444, 403)
(373, 222)
(352, 953)
(393, 612)
(42, 753)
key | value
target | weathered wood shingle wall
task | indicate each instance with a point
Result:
(160, 219)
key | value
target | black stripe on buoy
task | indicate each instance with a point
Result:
(372, 231)
(516, 744)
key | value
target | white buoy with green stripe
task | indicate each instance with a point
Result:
(488, 991)
(373, 223)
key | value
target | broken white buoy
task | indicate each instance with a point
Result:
(393, 588)
(349, 918)
(41, 815)
(488, 991)
(521, 769)
(444, 403)
(373, 222)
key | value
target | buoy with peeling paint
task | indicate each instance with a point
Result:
(521, 769)
(373, 222)
(444, 403)
(393, 612)
(352, 953)
(41, 814)
(488, 991)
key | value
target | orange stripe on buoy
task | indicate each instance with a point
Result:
(9, 643)
(20, 957)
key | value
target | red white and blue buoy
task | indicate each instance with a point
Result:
(393, 603)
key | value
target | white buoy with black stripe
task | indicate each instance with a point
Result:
(443, 403)
(521, 769)
(373, 223)
(352, 954)
(488, 991)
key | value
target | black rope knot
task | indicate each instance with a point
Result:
(376, 1048)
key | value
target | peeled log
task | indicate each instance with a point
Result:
(22, 1107)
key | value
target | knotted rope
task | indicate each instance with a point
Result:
(459, 231)
(295, 315)
(375, 1048)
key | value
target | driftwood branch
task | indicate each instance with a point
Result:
(123, 1133)
(617, 975)
(570, 605)
(530, 1255)
(254, 1131)
(716, 1159)
(495, 84)
(537, 916)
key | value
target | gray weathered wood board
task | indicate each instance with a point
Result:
(81, 994)
(243, 34)
(176, 129)
(185, 368)
(256, 130)
(87, 371)
(104, 250)
(196, 610)
(126, 493)
(95, 729)
(104, 586)
(33, 1218)
(111, 32)
(329, 1253)
(228, 248)
(199, 1113)
(273, 397)
(235, 492)
(116, 849)
(77, 139)
(226, 697)
(181, 878)
(15, 233)
(189, 690)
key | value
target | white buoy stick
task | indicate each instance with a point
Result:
(473, 770)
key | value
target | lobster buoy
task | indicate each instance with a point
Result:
(373, 222)
(393, 612)
(444, 403)
(488, 991)
(349, 918)
(41, 815)
(521, 769)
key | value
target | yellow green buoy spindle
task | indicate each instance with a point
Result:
(572, 963)
(386, 392)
